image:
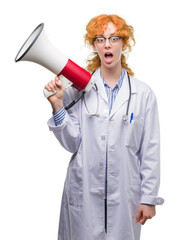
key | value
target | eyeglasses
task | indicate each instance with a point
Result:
(112, 39)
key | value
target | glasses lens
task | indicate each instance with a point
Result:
(114, 39)
(100, 40)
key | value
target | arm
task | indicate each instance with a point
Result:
(68, 131)
(150, 154)
(150, 162)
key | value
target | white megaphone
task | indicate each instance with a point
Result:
(39, 49)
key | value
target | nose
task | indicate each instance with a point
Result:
(107, 43)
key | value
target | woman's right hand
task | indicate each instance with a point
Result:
(56, 100)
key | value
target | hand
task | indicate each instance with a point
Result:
(55, 85)
(145, 212)
(56, 100)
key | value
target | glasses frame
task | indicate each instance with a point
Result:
(109, 38)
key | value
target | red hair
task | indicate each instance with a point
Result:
(97, 26)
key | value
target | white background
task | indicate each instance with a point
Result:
(33, 164)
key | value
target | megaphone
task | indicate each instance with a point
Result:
(38, 49)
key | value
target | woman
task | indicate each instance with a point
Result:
(112, 180)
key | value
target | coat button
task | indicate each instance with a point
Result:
(113, 174)
(101, 164)
(100, 191)
(112, 147)
(161, 201)
(103, 138)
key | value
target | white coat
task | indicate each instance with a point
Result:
(132, 153)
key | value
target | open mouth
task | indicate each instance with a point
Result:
(108, 58)
(108, 55)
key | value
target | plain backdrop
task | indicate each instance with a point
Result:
(32, 162)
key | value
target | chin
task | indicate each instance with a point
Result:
(112, 65)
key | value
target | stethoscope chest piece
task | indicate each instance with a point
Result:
(124, 119)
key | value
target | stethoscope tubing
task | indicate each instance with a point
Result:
(125, 117)
(129, 99)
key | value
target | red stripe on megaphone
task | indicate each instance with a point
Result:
(77, 75)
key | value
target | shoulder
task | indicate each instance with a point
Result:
(142, 87)
(144, 92)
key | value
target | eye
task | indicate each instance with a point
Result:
(114, 39)
(100, 39)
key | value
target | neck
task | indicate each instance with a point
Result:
(111, 75)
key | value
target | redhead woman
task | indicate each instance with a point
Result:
(112, 180)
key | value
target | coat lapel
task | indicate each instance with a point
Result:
(100, 85)
(123, 94)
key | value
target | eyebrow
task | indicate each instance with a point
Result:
(112, 34)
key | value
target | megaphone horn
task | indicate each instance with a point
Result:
(38, 49)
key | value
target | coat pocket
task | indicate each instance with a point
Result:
(75, 185)
(133, 135)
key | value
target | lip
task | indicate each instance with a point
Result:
(108, 53)
(109, 59)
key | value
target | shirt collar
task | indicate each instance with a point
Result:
(119, 83)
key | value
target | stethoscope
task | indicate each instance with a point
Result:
(125, 116)
(96, 114)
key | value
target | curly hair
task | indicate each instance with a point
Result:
(97, 26)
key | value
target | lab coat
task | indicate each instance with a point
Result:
(132, 154)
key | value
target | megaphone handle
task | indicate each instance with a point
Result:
(66, 84)
(47, 93)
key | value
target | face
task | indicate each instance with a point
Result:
(109, 53)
